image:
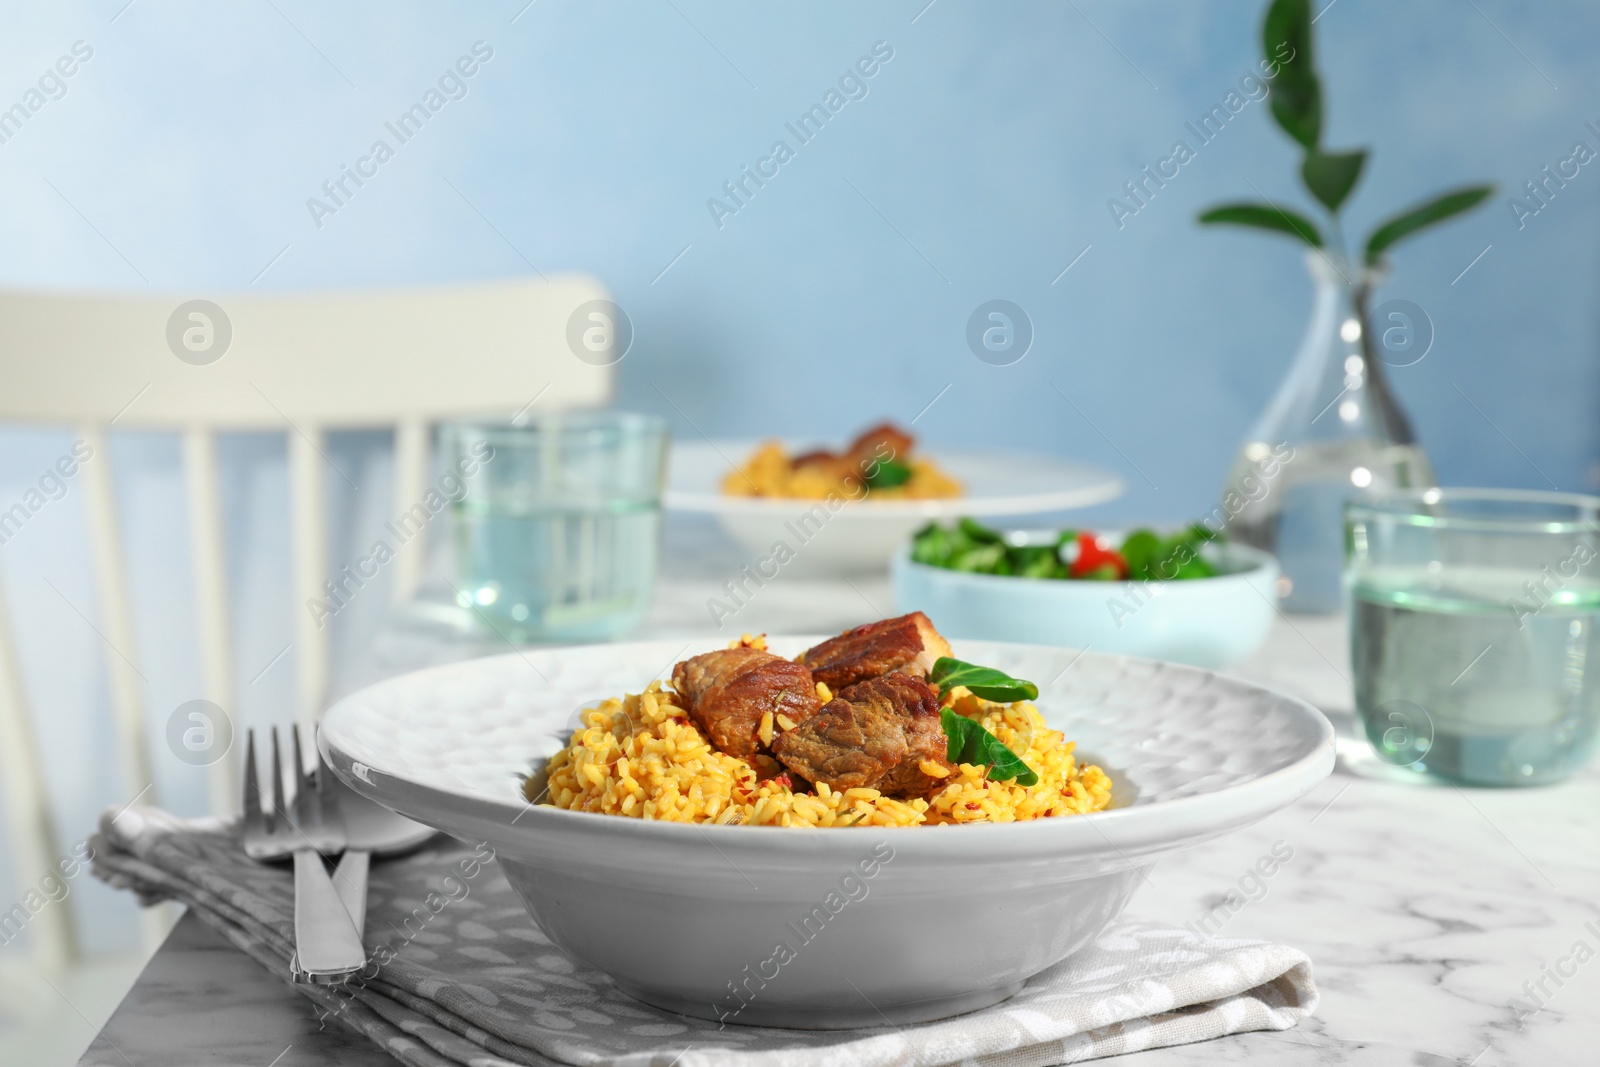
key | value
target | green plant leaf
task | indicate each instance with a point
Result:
(1296, 100)
(1408, 222)
(1265, 217)
(888, 474)
(1331, 175)
(985, 682)
(970, 743)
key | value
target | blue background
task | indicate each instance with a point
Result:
(978, 167)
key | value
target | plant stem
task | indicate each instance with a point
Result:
(1336, 237)
(1396, 425)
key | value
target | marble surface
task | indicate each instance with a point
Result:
(201, 1001)
(1447, 926)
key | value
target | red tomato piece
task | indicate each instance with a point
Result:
(1093, 556)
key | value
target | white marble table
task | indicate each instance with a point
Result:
(1426, 909)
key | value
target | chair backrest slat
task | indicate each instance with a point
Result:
(208, 544)
(34, 845)
(116, 615)
(410, 484)
(308, 525)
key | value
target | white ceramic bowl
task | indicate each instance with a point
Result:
(861, 536)
(905, 924)
(1207, 622)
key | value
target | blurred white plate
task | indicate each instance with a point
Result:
(862, 535)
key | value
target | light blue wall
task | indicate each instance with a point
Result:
(990, 144)
(978, 166)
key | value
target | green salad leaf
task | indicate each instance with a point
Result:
(1141, 549)
(986, 682)
(971, 743)
(978, 533)
(1035, 561)
(976, 549)
(968, 546)
(1153, 558)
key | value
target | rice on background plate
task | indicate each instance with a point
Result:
(770, 472)
(643, 756)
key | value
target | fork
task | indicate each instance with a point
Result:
(327, 947)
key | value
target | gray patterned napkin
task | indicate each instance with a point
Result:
(460, 975)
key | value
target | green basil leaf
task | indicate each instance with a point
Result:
(1264, 217)
(888, 474)
(1331, 175)
(985, 682)
(970, 743)
(1005, 764)
(964, 744)
(1408, 222)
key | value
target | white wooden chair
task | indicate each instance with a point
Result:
(302, 364)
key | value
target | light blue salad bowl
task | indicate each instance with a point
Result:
(1207, 622)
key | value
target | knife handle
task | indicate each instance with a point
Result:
(327, 948)
(350, 879)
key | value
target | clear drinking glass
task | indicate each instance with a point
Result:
(558, 532)
(1473, 630)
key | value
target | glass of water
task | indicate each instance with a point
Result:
(558, 531)
(1473, 630)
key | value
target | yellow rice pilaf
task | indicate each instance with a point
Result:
(643, 756)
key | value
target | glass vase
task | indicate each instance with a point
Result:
(1333, 429)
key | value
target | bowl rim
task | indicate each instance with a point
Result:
(1135, 828)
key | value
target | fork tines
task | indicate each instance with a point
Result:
(253, 818)
(308, 818)
(276, 808)
(308, 793)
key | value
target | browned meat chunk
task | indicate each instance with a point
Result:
(873, 734)
(925, 740)
(835, 467)
(908, 644)
(882, 442)
(846, 744)
(727, 692)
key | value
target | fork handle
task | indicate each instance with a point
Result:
(326, 944)
(350, 879)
